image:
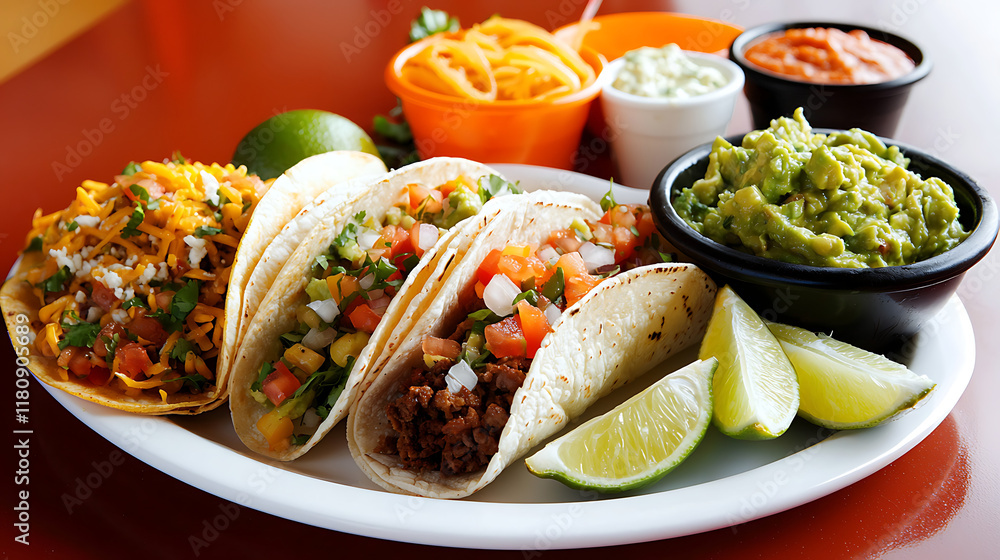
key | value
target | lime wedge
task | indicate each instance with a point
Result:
(639, 441)
(756, 391)
(844, 387)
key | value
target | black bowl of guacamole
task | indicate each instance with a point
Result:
(879, 308)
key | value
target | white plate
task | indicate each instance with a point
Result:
(724, 482)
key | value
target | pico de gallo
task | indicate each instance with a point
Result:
(453, 408)
(350, 289)
(133, 275)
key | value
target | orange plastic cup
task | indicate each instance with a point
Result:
(543, 133)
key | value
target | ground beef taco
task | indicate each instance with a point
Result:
(552, 307)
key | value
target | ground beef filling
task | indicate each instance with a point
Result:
(437, 430)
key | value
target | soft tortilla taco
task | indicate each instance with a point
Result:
(128, 289)
(347, 294)
(552, 308)
(307, 193)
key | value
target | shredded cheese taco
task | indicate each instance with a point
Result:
(551, 308)
(128, 288)
(346, 295)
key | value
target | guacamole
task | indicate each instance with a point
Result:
(842, 200)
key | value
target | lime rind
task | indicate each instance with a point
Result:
(844, 387)
(639, 441)
(756, 388)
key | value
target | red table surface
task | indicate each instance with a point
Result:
(158, 76)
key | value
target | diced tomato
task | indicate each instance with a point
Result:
(489, 267)
(434, 346)
(565, 239)
(602, 233)
(276, 429)
(506, 338)
(80, 364)
(645, 224)
(397, 239)
(103, 296)
(480, 290)
(341, 286)
(422, 195)
(364, 319)
(164, 299)
(578, 286)
(572, 264)
(107, 333)
(99, 376)
(624, 242)
(280, 384)
(621, 215)
(148, 328)
(131, 359)
(534, 324)
(519, 269)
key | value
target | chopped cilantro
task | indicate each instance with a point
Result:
(196, 380)
(72, 226)
(182, 303)
(397, 132)
(56, 282)
(300, 439)
(608, 200)
(131, 169)
(482, 359)
(83, 335)
(34, 245)
(135, 302)
(202, 231)
(181, 349)
(494, 185)
(111, 344)
(350, 231)
(322, 261)
(265, 369)
(430, 22)
(178, 158)
(131, 229)
(530, 296)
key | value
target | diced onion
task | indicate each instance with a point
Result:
(548, 253)
(552, 314)
(427, 236)
(310, 419)
(367, 238)
(595, 256)
(499, 294)
(327, 309)
(317, 339)
(376, 294)
(367, 281)
(460, 375)
(380, 304)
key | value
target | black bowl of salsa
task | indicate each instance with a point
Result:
(880, 309)
(873, 106)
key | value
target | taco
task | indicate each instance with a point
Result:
(552, 308)
(347, 294)
(126, 291)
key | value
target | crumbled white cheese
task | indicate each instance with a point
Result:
(93, 314)
(119, 316)
(88, 221)
(197, 252)
(124, 294)
(81, 296)
(211, 185)
(62, 259)
(111, 280)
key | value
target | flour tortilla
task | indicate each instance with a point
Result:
(617, 332)
(276, 313)
(289, 209)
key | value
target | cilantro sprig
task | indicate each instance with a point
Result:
(83, 335)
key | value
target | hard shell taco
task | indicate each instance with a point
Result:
(550, 309)
(347, 294)
(128, 289)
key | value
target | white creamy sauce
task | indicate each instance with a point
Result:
(667, 73)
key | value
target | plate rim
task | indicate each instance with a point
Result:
(540, 526)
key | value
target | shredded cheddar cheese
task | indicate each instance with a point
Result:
(138, 267)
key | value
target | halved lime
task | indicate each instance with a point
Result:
(639, 441)
(287, 138)
(844, 387)
(756, 390)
